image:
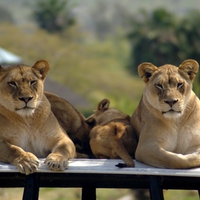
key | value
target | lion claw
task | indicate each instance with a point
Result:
(56, 162)
(27, 163)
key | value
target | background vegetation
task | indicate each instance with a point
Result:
(98, 58)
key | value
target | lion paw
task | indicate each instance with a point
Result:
(56, 162)
(27, 163)
(130, 164)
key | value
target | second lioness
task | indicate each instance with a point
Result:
(73, 122)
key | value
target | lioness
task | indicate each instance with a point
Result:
(73, 122)
(167, 118)
(112, 136)
(28, 128)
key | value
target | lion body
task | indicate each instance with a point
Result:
(167, 117)
(112, 136)
(72, 121)
(28, 128)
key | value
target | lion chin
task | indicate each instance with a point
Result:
(172, 114)
(25, 112)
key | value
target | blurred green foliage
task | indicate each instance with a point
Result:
(52, 15)
(161, 37)
(93, 69)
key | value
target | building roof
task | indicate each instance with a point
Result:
(66, 93)
(7, 57)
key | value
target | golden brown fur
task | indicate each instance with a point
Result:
(112, 137)
(72, 121)
(167, 119)
(28, 128)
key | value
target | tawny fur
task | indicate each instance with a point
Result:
(112, 136)
(167, 117)
(73, 123)
(28, 128)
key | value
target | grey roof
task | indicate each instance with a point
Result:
(7, 57)
(75, 99)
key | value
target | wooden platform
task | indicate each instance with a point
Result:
(90, 174)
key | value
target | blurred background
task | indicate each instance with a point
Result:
(94, 48)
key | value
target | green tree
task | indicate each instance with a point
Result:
(53, 15)
(6, 16)
(188, 34)
(153, 39)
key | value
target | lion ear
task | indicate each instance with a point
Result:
(190, 67)
(43, 67)
(145, 70)
(103, 105)
(91, 121)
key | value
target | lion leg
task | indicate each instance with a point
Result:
(26, 162)
(62, 152)
(121, 151)
(159, 157)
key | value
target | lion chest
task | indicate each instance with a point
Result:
(180, 139)
(188, 138)
(30, 140)
(34, 144)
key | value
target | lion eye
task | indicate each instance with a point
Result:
(33, 82)
(179, 85)
(159, 86)
(12, 84)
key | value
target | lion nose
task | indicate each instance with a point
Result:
(25, 99)
(171, 102)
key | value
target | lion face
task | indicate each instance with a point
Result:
(22, 87)
(168, 88)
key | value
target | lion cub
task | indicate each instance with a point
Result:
(112, 136)
(28, 128)
(167, 119)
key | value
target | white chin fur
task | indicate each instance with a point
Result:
(25, 112)
(171, 115)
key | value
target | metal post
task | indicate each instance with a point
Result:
(155, 188)
(89, 193)
(31, 189)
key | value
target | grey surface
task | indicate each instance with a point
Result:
(75, 99)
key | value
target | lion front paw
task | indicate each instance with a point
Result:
(122, 165)
(56, 162)
(130, 164)
(27, 163)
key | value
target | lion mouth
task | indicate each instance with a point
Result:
(24, 108)
(171, 111)
(25, 111)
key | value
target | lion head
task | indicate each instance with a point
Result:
(22, 87)
(105, 114)
(168, 88)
